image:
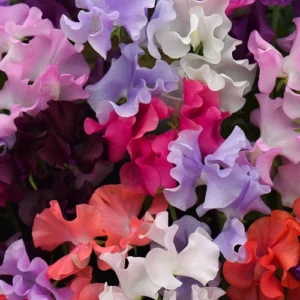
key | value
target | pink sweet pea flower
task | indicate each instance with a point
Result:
(149, 169)
(269, 59)
(119, 131)
(277, 130)
(201, 108)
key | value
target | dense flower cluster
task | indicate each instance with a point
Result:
(150, 149)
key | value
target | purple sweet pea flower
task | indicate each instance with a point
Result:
(29, 277)
(296, 271)
(4, 2)
(54, 9)
(233, 234)
(276, 2)
(185, 154)
(238, 178)
(243, 25)
(102, 17)
(186, 226)
(138, 85)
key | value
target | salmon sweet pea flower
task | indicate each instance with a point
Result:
(119, 208)
(50, 230)
(112, 212)
(271, 265)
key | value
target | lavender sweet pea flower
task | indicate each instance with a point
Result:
(127, 80)
(232, 235)
(185, 154)
(238, 178)
(186, 226)
(29, 278)
(98, 22)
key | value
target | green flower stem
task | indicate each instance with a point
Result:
(275, 18)
(172, 212)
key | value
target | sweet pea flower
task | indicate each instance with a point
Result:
(177, 26)
(134, 280)
(252, 18)
(283, 67)
(186, 156)
(119, 209)
(269, 59)
(201, 109)
(276, 247)
(232, 235)
(279, 134)
(198, 260)
(119, 131)
(198, 293)
(235, 4)
(286, 183)
(54, 9)
(50, 230)
(82, 288)
(98, 20)
(140, 86)
(149, 169)
(231, 78)
(33, 77)
(227, 170)
(29, 277)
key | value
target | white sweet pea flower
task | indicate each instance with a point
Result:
(198, 260)
(112, 293)
(178, 25)
(134, 281)
(232, 78)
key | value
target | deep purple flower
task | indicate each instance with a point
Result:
(54, 9)
(29, 277)
(277, 2)
(242, 26)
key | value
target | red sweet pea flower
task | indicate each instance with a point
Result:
(273, 250)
